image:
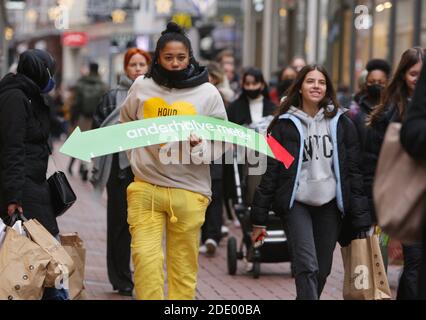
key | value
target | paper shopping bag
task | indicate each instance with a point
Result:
(23, 266)
(365, 276)
(75, 248)
(61, 266)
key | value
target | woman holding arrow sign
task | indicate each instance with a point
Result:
(164, 196)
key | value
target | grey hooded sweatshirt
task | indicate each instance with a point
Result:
(317, 183)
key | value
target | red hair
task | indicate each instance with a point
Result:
(131, 52)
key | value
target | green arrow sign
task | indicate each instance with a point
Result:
(143, 133)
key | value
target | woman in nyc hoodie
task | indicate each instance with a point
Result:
(323, 189)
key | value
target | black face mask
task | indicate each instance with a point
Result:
(284, 85)
(252, 94)
(375, 91)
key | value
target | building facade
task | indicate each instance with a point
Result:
(343, 34)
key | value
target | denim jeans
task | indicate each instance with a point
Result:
(55, 294)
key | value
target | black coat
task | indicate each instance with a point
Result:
(375, 136)
(239, 110)
(277, 185)
(24, 154)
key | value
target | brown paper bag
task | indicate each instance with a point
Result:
(75, 248)
(23, 266)
(365, 276)
(61, 266)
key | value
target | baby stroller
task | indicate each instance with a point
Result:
(275, 248)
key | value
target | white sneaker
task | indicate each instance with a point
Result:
(203, 249)
(224, 230)
(211, 246)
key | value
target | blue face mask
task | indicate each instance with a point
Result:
(50, 85)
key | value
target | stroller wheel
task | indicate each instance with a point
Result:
(256, 270)
(232, 255)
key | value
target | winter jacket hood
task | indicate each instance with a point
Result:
(21, 82)
(124, 83)
(37, 65)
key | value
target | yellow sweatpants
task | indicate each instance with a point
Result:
(181, 212)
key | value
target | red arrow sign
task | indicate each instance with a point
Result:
(280, 152)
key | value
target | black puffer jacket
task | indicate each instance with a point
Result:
(276, 190)
(375, 136)
(24, 132)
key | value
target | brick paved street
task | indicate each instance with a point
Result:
(88, 218)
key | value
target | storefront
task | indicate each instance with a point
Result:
(373, 29)
(341, 34)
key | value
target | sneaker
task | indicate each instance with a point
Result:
(211, 246)
(225, 231)
(203, 249)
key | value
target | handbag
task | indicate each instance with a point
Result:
(61, 193)
(399, 190)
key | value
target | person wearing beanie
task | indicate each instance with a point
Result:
(114, 172)
(169, 195)
(24, 150)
